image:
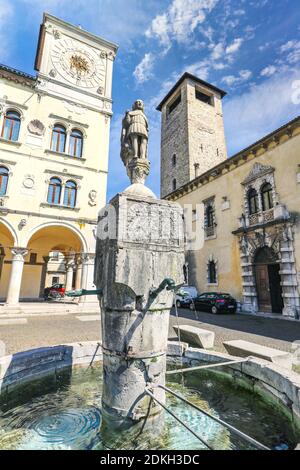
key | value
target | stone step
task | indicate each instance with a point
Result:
(195, 336)
(243, 348)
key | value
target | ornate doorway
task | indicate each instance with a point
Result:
(268, 281)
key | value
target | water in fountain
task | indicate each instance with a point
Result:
(70, 418)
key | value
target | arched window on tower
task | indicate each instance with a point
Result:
(4, 175)
(58, 140)
(174, 159)
(70, 195)
(267, 197)
(76, 143)
(174, 184)
(253, 201)
(54, 191)
(11, 125)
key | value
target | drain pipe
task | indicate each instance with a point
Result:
(252, 441)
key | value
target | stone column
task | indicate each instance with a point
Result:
(131, 263)
(2, 256)
(15, 280)
(43, 275)
(69, 275)
(87, 273)
(78, 280)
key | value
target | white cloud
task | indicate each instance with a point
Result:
(218, 51)
(268, 71)
(179, 21)
(292, 49)
(242, 77)
(235, 46)
(143, 70)
(260, 110)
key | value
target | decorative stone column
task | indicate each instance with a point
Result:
(15, 280)
(139, 254)
(146, 248)
(69, 275)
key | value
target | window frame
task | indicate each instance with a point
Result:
(12, 122)
(70, 193)
(58, 142)
(54, 191)
(269, 194)
(77, 138)
(4, 176)
(212, 274)
(253, 196)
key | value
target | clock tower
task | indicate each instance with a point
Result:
(75, 65)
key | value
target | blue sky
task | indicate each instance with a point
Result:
(250, 48)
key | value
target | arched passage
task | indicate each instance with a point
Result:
(41, 264)
(7, 240)
(268, 280)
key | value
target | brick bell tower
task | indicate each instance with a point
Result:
(192, 132)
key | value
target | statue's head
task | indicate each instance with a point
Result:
(138, 104)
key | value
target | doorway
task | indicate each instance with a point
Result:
(268, 287)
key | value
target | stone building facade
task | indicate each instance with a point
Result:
(251, 224)
(192, 132)
(54, 146)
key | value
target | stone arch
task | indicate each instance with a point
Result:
(11, 230)
(8, 239)
(40, 267)
(60, 224)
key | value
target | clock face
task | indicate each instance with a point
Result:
(78, 64)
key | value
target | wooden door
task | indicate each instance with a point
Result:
(263, 288)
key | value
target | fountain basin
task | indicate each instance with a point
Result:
(48, 394)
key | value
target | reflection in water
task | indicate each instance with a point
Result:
(70, 418)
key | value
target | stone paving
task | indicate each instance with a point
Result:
(36, 330)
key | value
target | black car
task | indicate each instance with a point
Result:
(214, 302)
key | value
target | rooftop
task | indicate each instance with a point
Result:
(189, 76)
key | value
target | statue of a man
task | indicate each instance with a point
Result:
(134, 137)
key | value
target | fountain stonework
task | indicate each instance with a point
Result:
(139, 261)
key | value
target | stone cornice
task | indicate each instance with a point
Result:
(253, 228)
(236, 160)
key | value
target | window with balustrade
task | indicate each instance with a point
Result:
(267, 197)
(253, 201)
(210, 222)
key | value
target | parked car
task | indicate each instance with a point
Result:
(185, 295)
(214, 302)
(56, 291)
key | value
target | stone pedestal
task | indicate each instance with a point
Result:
(144, 245)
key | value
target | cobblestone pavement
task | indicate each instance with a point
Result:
(21, 333)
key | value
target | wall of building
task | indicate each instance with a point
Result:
(56, 96)
(283, 156)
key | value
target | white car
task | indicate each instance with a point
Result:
(184, 293)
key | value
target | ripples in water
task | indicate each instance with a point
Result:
(70, 418)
